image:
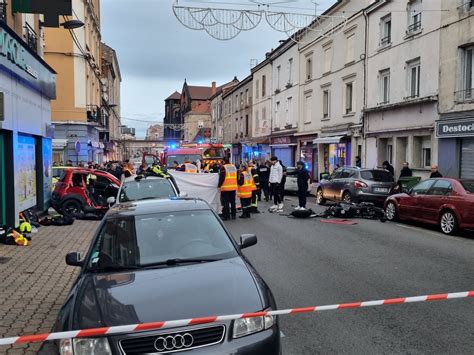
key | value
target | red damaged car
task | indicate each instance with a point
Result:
(446, 202)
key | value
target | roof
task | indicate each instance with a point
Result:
(149, 177)
(146, 207)
(174, 96)
(200, 92)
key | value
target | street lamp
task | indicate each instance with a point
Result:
(72, 24)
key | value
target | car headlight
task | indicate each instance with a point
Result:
(85, 346)
(247, 326)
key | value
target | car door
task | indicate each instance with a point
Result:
(343, 183)
(329, 189)
(437, 196)
(410, 206)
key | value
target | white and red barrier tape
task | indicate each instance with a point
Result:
(204, 320)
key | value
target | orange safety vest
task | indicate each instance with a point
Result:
(245, 190)
(254, 186)
(190, 168)
(230, 181)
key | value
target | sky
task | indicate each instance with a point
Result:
(156, 52)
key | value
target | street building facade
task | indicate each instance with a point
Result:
(403, 60)
(172, 120)
(217, 110)
(154, 132)
(77, 111)
(27, 86)
(455, 127)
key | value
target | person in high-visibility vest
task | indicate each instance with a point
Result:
(228, 187)
(255, 187)
(190, 168)
(245, 190)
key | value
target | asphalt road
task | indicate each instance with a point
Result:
(309, 263)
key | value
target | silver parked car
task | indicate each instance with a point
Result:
(351, 184)
(291, 184)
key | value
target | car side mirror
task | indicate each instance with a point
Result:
(111, 200)
(247, 240)
(183, 194)
(74, 259)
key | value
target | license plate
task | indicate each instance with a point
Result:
(380, 189)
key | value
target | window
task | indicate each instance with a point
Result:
(246, 97)
(236, 103)
(466, 75)
(241, 100)
(308, 108)
(289, 110)
(350, 49)
(257, 88)
(290, 69)
(389, 156)
(327, 59)
(349, 97)
(257, 123)
(309, 69)
(264, 85)
(422, 188)
(413, 74)
(441, 188)
(246, 125)
(326, 103)
(384, 76)
(264, 120)
(386, 30)
(278, 77)
(277, 113)
(426, 152)
(414, 16)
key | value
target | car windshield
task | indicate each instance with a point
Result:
(377, 175)
(213, 153)
(145, 189)
(181, 158)
(150, 159)
(155, 239)
(468, 185)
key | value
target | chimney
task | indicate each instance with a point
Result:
(214, 89)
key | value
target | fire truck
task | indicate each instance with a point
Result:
(209, 153)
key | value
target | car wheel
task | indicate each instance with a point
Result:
(71, 208)
(319, 197)
(391, 211)
(346, 197)
(448, 223)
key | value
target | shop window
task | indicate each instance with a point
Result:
(384, 93)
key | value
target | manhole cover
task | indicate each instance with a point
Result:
(4, 260)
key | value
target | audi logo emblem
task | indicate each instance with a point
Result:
(174, 342)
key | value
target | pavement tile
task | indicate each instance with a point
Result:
(31, 296)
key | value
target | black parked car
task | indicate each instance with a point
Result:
(165, 260)
(350, 184)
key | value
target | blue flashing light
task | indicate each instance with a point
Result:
(173, 146)
(200, 142)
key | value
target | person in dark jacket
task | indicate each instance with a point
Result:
(387, 166)
(302, 176)
(406, 171)
(434, 172)
(263, 172)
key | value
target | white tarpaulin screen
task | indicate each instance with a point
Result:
(199, 185)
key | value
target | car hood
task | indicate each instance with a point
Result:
(178, 292)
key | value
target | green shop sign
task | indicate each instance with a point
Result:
(12, 49)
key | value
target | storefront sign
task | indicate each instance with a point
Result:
(16, 58)
(281, 140)
(455, 128)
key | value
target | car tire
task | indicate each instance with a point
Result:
(347, 197)
(71, 208)
(391, 212)
(448, 222)
(319, 197)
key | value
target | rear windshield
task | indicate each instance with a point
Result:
(468, 185)
(376, 175)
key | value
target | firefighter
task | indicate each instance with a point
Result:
(190, 168)
(255, 187)
(228, 187)
(245, 190)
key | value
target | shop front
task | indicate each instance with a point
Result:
(27, 86)
(308, 154)
(284, 149)
(456, 140)
(334, 152)
(257, 149)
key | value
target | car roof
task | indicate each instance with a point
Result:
(151, 177)
(144, 207)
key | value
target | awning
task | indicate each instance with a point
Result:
(328, 140)
(59, 143)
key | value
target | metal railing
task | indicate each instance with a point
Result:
(415, 26)
(3, 11)
(464, 95)
(386, 40)
(31, 38)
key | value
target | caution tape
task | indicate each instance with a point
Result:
(123, 329)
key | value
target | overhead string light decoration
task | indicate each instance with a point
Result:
(227, 23)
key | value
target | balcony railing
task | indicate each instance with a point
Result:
(31, 38)
(3, 12)
(415, 26)
(386, 40)
(464, 95)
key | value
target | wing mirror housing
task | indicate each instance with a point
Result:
(74, 259)
(247, 240)
(111, 200)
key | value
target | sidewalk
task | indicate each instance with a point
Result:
(35, 280)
